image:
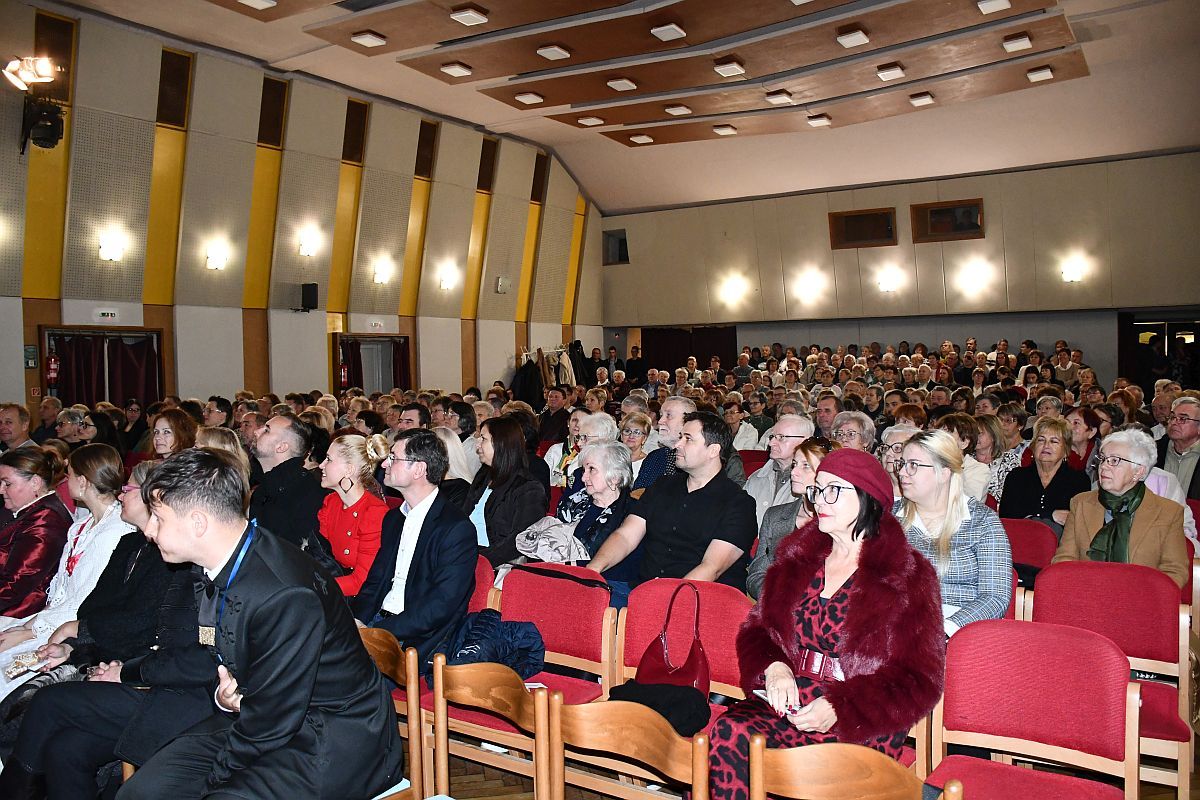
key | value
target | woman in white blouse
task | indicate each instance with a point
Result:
(94, 477)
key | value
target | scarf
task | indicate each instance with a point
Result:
(1111, 542)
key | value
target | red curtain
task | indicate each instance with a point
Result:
(81, 367)
(400, 373)
(352, 358)
(133, 370)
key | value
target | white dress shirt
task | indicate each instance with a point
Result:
(414, 521)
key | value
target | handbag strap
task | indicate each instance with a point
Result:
(671, 608)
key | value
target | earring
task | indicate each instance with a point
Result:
(345, 488)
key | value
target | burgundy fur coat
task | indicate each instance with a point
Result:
(893, 652)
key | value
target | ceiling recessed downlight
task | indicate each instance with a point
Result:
(553, 52)
(921, 99)
(258, 5)
(1017, 42)
(469, 15)
(1039, 74)
(729, 69)
(368, 39)
(668, 33)
(677, 110)
(890, 72)
(622, 85)
(992, 6)
(820, 120)
(779, 97)
(724, 130)
(641, 138)
(855, 37)
(456, 69)
(590, 122)
(530, 98)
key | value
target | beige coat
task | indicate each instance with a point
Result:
(1156, 539)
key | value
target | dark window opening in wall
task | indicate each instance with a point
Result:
(487, 165)
(426, 149)
(272, 112)
(874, 227)
(174, 85)
(54, 38)
(615, 246)
(948, 221)
(354, 140)
(541, 174)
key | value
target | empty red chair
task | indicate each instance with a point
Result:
(1049, 692)
(1032, 542)
(752, 460)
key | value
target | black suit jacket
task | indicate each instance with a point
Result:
(313, 703)
(440, 581)
(1193, 491)
(287, 500)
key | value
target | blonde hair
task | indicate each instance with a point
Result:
(942, 449)
(459, 468)
(226, 440)
(1057, 425)
(364, 453)
(320, 416)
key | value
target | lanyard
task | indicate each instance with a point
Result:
(237, 565)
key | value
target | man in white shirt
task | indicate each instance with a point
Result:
(771, 484)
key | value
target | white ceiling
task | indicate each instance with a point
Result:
(1142, 96)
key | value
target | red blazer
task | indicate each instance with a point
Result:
(354, 535)
(30, 548)
(893, 649)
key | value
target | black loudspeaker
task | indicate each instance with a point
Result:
(308, 296)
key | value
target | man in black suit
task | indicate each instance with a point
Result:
(301, 709)
(288, 497)
(424, 575)
(635, 367)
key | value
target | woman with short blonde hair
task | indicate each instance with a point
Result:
(351, 518)
(224, 439)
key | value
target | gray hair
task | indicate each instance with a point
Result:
(895, 430)
(634, 403)
(1049, 399)
(794, 408)
(864, 423)
(600, 426)
(688, 403)
(70, 416)
(1185, 400)
(804, 423)
(1140, 445)
(613, 459)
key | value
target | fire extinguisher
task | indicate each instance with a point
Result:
(344, 375)
(52, 369)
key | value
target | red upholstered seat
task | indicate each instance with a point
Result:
(752, 459)
(393, 502)
(1160, 713)
(1032, 542)
(556, 493)
(485, 576)
(569, 606)
(988, 780)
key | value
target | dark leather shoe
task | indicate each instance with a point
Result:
(17, 782)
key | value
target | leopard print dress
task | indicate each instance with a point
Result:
(818, 627)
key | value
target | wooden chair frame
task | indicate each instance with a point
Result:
(833, 772)
(1126, 769)
(405, 672)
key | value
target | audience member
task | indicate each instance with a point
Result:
(771, 484)
(48, 411)
(457, 482)
(1179, 450)
(1043, 490)
(966, 432)
(505, 498)
(67, 427)
(288, 498)
(171, 431)
(855, 430)
(14, 427)
(351, 516)
(32, 540)
(561, 455)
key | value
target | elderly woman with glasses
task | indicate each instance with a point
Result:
(845, 643)
(635, 432)
(1043, 489)
(891, 452)
(960, 536)
(855, 430)
(1123, 521)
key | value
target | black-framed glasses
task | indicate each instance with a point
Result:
(1181, 418)
(1115, 461)
(773, 436)
(391, 458)
(846, 435)
(829, 494)
(892, 449)
(86, 424)
(911, 466)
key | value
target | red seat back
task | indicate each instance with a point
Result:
(556, 493)
(543, 448)
(1136, 607)
(722, 611)
(1187, 586)
(485, 576)
(752, 459)
(1032, 542)
(393, 502)
(1011, 613)
(1194, 505)
(572, 617)
(1054, 684)
(991, 503)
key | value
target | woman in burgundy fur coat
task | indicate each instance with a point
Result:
(847, 636)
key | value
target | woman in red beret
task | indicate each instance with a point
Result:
(846, 641)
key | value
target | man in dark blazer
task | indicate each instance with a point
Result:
(424, 575)
(301, 710)
(287, 499)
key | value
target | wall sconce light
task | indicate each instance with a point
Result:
(310, 241)
(974, 276)
(1074, 267)
(890, 279)
(447, 275)
(382, 269)
(733, 290)
(811, 285)
(112, 245)
(216, 255)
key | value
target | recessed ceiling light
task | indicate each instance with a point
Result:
(368, 39)
(992, 6)
(855, 37)
(729, 69)
(779, 97)
(456, 69)
(820, 121)
(258, 5)
(469, 15)
(622, 85)
(921, 99)
(553, 52)
(677, 111)
(530, 98)
(590, 122)
(641, 138)
(890, 72)
(1017, 42)
(1039, 74)
(668, 33)
(724, 130)
(800, 2)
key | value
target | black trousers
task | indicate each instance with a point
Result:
(71, 729)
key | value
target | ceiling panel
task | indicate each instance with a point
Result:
(808, 45)
(702, 21)
(919, 62)
(427, 22)
(1009, 76)
(283, 8)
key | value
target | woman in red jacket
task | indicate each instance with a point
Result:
(352, 515)
(32, 541)
(846, 641)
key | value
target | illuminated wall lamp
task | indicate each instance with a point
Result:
(310, 242)
(1073, 269)
(889, 280)
(112, 246)
(381, 272)
(447, 276)
(216, 256)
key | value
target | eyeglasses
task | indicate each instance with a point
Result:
(633, 432)
(892, 449)
(1181, 418)
(129, 487)
(772, 437)
(86, 425)
(134, 409)
(829, 494)
(1115, 461)
(910, 467)
(391, 458)
(846, 436)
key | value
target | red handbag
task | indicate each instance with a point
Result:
(656, 666)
